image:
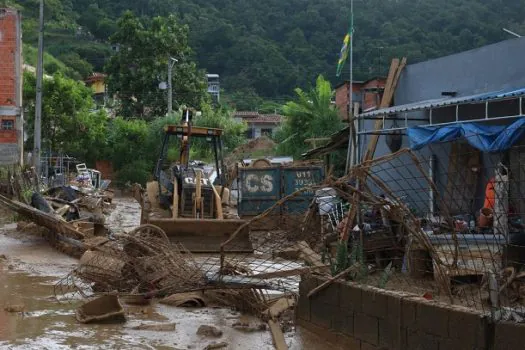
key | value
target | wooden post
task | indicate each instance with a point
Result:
(175, 208)
(390, 86)
(388, 94)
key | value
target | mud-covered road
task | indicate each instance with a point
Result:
(29, 268)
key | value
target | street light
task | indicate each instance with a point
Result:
(171, 63)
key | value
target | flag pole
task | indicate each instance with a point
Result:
(350, 157)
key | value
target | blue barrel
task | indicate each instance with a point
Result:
(259, 189)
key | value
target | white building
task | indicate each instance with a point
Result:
(214, 87)
(259, 124)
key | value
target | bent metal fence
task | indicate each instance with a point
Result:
(445, 222)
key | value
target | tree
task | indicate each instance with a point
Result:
(73, 60)
(69, 124)
(133, 145)
(135, 71)
(243, 99)
(234, 132)
(311, 115)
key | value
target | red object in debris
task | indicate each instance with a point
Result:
(428, 296)
(490, 194)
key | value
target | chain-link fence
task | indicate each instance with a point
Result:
(445, 223)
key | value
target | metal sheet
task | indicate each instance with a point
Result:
(262, 188)
(295, 179)
(443, 102)
(259, 190)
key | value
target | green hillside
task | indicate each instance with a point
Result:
(267, 48)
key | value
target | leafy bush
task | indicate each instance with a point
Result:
(138, 171)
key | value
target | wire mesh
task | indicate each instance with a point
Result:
(445, 222)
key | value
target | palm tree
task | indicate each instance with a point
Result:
(310, 115)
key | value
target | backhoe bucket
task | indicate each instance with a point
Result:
(206, 235)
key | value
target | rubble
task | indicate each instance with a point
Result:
(249, 328)
(15, 308)
(216, 345)
(106, 309)
(279, 306)
(193, 299)
(209, 331)
(158, 327)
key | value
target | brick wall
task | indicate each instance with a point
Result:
(341, 100)
(341, 97)
(8, 49)
(366, 318)
(10, 87)
(106, 169)
(372, 94)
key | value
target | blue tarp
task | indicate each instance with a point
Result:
(486, 138)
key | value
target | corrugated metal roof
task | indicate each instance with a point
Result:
(448, 101)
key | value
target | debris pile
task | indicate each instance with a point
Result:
(256, 145)
(142, 262)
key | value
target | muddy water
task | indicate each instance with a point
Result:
(32, 268)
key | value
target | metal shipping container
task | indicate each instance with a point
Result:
(261, 188)
(294, 179)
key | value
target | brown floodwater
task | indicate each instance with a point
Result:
(32, 268)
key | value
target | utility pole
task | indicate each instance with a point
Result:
(352, 142)
(171, 63)
(38, 104)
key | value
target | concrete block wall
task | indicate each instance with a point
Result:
(357, 317)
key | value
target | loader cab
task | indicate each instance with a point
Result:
(182, 136)
(186, 202)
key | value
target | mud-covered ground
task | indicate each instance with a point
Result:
(29, 268)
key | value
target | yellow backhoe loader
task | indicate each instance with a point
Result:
(185, 201)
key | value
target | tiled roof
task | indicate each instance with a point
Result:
(246, 114)
(255, 117)
(265, 119)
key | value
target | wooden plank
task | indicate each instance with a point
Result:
(175, 208)
(280, 306)
(311, 257)
(285, 273)
(390, 86)
(326, 283)
(391, 83)
(277, 335)
(218, 203)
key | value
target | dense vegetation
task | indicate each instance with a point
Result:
(311, 115)
(71, 126)
(264, 49)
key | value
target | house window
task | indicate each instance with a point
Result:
(266, 132)
(7, 124)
